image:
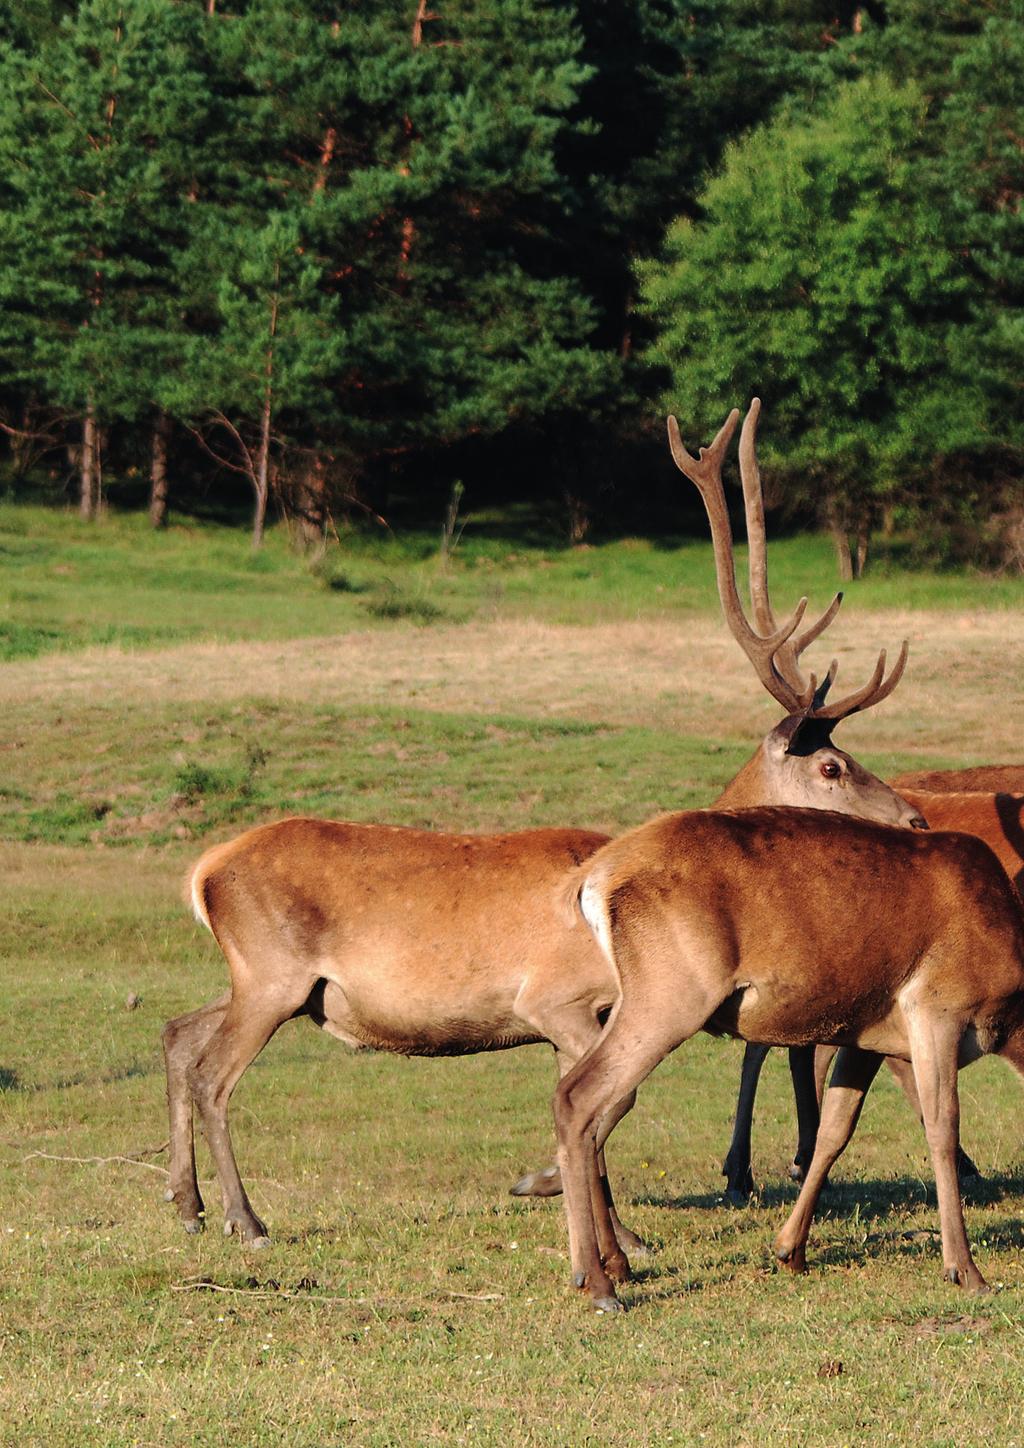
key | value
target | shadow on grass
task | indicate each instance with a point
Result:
(134, 1071)
(864, 1199)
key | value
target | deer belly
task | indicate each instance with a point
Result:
(401, 1024)
(784, 1013)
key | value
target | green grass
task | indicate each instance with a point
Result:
(65, 584)
(228, 765)
(407, 1299)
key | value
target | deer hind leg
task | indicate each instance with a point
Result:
(854, 1072)
(247, 1025)
(183, 1039)
(904, 1072)
(586, 1107)
(575, 1030)
(934, 1048)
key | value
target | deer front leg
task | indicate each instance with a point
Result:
(934, 1047)
(854, 1072)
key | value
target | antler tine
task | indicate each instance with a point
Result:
(873, 692)
(706, 473)
(753, 502)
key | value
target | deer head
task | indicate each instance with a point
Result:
(797, 763)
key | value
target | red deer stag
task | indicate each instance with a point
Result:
(437, 944)
(995, 818)
(790, 927)
(778, 773)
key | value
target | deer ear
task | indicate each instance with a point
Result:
(804, 734)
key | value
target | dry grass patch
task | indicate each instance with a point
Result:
(662, 674)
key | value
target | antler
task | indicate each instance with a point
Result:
(760, 648)
(772, 650)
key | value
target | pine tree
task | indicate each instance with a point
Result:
(98, 134)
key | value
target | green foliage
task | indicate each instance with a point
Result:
(353, 254)
(824, 276)
(98, 130)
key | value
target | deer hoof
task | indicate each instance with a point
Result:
(546, 1183)
(169, 1194)
(735, 1197)
(194, 1226)
(969, 1279)
(607, 1304)
(250, 1231)
(792, 1258)
(631, 1244)
(618, 1268)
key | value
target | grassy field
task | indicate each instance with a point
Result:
(163, 692)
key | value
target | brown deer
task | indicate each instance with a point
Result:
(994, 818)
(425, 943)
(790, 927)
(776, 773)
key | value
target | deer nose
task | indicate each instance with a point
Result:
(918, 822)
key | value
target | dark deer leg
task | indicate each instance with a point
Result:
(808, 1115)
(739, 1180)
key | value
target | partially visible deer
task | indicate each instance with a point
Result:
(982, 778)
(423, 943)
(789, 927)
(994, 818)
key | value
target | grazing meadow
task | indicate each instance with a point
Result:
(161, 692)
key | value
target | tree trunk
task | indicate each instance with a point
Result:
(262, 478)
(158, 471)
(844, 558)
(861, 559)
(89, 496)
(311, 503)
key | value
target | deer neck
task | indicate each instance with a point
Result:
(751, 787)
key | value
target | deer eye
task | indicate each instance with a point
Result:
(831, 769)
